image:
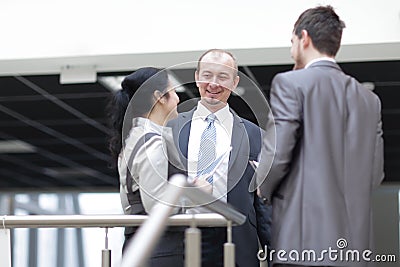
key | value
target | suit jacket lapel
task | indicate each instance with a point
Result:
(238, 133)
(184, 125)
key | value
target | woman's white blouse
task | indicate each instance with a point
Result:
(149, 168)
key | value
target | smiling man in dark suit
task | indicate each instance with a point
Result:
(216, 77)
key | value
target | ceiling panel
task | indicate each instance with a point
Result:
(66, 124)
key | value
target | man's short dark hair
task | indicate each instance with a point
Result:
(323, 26)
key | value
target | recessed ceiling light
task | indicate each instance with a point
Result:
(16, 146)
(112, 83)
(369, 85)
(240, 90)
(78, 74)
(176, 83)
(63, 172)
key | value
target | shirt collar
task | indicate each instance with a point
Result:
(147, 124)
(319, 59)
(221, 114)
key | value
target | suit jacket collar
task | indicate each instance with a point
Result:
(183, 135)
(325, 63)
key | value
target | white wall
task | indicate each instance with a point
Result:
(44, 35)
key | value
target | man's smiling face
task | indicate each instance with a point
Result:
(216, 79)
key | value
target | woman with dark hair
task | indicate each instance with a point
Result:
(137, 115)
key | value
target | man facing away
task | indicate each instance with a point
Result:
(329, 152)
(216, 77)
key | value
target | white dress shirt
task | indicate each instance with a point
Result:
(319, 59)
(223, 125)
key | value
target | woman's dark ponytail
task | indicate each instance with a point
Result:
(116, 111)
(138, 88)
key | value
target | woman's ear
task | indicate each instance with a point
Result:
(158, 97)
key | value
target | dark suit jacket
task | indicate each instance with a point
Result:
(328, 159)
(246, 145)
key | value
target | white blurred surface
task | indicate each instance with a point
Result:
(93, 238)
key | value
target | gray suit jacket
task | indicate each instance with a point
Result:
(240, 175)
(328, 158)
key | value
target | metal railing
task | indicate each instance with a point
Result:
(87, 221)
(151, 226)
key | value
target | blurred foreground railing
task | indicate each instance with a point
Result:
(87, 221)
(150, 231)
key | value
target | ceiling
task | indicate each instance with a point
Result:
(62, 127)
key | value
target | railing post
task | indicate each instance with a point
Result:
(106, 253)
(229, 248)
(192, 246)
(5, 245)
